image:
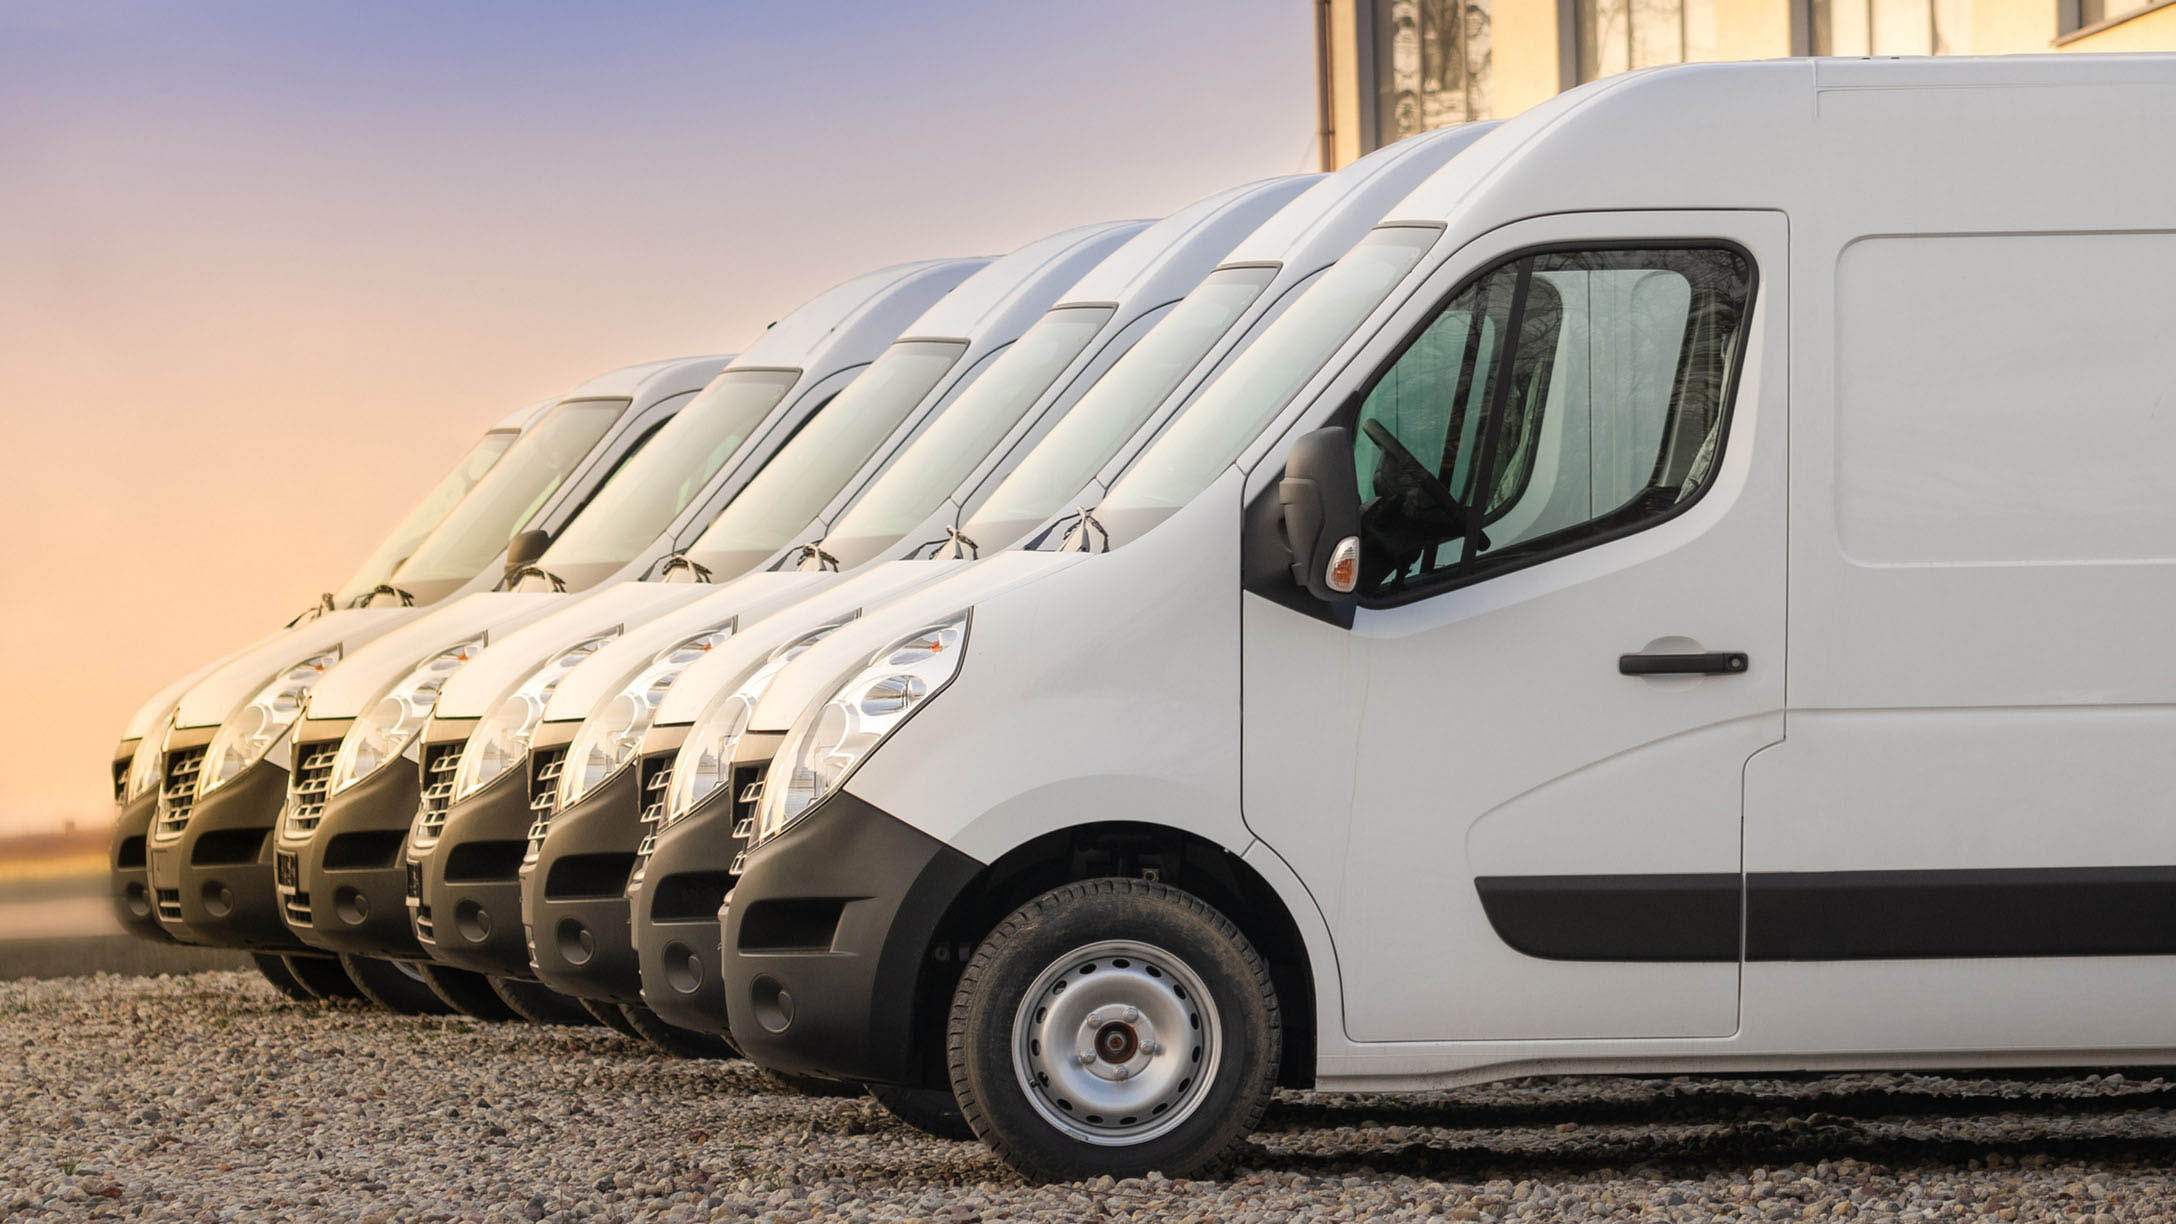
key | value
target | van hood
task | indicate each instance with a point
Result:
(151, 716)
(744, 600)
(567, 620)
(813, 674)
(350, 688)
(217, 695)
(762, 632)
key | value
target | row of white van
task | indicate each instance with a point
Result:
(1671, 581)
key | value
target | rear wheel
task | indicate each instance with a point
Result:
(931, 1111)
(396, 986)
(467, 993)
(540, 1004)
(1114, 1026)
(610, 1016)
(322, 976)
(671, 1038)
(274, 970)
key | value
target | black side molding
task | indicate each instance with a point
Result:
(1838, 915)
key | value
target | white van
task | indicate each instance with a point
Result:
(223, 768)
(137, 759)
(338, 878)
(1681, 595)
(704, 752)
(1001, 344)
(583, 850)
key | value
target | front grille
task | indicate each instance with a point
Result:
(424, 931)
(310, 785)
(748, 792)
(177, 790)
(545, 766)
(655, 777)
(439, 762)
(169, 900)
(297, 906)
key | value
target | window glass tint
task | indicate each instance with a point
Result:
(429, 512)
(934, 464)
(658, 481)
(1260, 382)
(515, 488)
(809, 471)
(1569, 396)
(1111, 411)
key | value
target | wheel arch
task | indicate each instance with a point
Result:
(1179, 858)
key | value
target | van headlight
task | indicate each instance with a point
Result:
(250, 732)
(143, 764)
(607, 739)
(503, 738)
(836, 733)
(389, 728)
(705, 760)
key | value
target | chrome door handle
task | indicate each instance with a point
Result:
(1707, 663)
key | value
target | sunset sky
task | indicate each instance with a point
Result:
(266, 268)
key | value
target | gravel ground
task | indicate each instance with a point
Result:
(281, 1111)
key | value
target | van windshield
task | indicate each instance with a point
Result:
(1212, 433)
(1115, 408)
(808, 471)
(515, 488)
(671, 469)
(429, 512)
(970, 427)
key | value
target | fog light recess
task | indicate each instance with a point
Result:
(576, 942)
(771, 1004)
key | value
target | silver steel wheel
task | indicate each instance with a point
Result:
(1116, 1043)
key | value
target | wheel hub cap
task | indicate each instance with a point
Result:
(1115, 1043)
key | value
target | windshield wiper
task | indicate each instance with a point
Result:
(825, 562)
(682, 561)
(323, 605)
(516, 575)
(407, 599)
(1086, 532)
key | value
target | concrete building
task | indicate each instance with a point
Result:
(1390, 68)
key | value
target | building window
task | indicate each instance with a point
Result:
(1892, 27)
(2078, 14)
(1616, 35)
(1433, 58)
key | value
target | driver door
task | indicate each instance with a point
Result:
(1524, 820)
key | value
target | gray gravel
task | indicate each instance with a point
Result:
(208, 1098)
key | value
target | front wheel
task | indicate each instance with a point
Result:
(321, 976)
(540, 1004)
(396, 986)
(466, 992)
(1114, 1026)
(275, 971)
(931, 1111)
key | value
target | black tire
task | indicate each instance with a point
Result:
(466, 992)
(540, 1004)
(1152, 936)
(274, 970)
(813, 1085)
(609, 1015)
(931, 1111)
(393, 985)
(671, 1038)
(322, 976)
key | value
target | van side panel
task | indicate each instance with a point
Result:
(1975, 805)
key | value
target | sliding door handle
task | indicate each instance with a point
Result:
(1707, 663)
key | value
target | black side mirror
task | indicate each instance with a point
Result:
(524, 547)
(1320, 497)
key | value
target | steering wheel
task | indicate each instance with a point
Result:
(1429, 484)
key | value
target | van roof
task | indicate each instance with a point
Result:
(1165, 261)
(1040, 270)
(620, 382)
(1329, 217)
(850, 312)
(1930, 145)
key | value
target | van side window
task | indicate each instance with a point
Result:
(1572, 396)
